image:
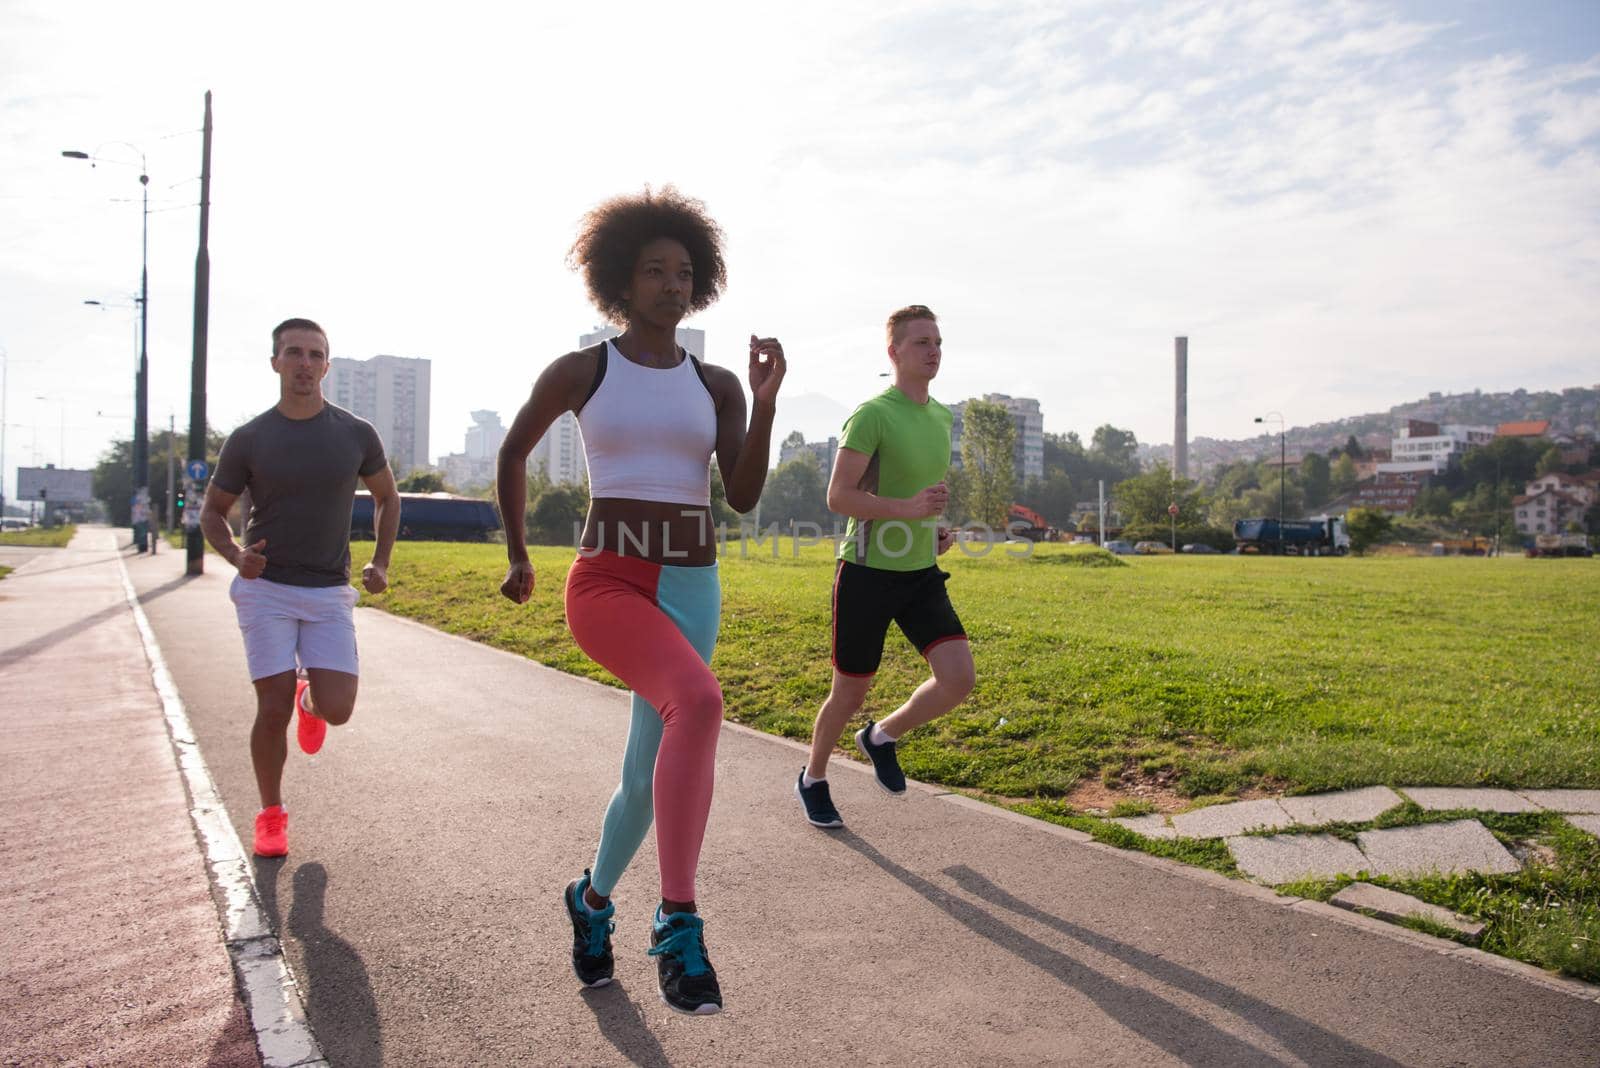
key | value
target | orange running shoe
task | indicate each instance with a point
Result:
(272, 832)
(311, 729)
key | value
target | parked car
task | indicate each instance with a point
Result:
(1200, 548)
(1151, 548)
(1118, 546)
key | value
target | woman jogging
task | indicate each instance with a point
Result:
(643, 598)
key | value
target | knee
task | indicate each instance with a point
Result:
(957, 684)
(700, 703)
(337, 713)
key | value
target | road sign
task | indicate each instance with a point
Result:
(1172, 510)
(197, 470)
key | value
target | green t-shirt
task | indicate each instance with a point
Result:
(909, 446)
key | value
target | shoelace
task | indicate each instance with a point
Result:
(598, 933)
(686, 942)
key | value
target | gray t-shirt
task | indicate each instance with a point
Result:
(302, 475)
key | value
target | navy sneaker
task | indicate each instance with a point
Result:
(817, 802)
(591, 935)
(885, 765)
(687, 982)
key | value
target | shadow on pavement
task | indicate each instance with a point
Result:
(1303, 1038)
(337, 986)
(623, 1026)
(17, 654)
(1163, 1023)
(339, 999)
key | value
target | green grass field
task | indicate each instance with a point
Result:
(1212, 673)
(40, 537)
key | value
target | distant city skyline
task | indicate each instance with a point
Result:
(1343, 207)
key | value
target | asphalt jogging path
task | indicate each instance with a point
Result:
(419, 906)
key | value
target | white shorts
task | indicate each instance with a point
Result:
(285, 626)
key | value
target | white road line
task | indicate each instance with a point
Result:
(271, 996)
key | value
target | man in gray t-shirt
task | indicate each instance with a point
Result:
(300, 461)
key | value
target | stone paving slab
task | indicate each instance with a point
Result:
(1445, 798)
(1392, 905)
(1457, 846)
(1565, 800)
(1342, 806)
(1589, 823)
(1283, 858)
(1152, 826)
(1220, 821)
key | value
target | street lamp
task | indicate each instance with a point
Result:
(1283, 462)
(141, 382)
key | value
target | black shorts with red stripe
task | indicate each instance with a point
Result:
(867, 599)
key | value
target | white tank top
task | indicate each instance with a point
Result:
(649, 432)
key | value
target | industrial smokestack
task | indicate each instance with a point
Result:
(1180, 430)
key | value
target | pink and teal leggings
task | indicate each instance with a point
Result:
(654, 627)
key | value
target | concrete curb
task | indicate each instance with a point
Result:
(270, 994)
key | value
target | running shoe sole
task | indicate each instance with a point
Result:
(710, 1008)
(839, 824)
(862, 747)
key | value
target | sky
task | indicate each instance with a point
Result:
(1343, 205)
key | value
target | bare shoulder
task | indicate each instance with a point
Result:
(569, 376)
(722, 383)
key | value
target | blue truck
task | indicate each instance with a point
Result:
(431, 517)
(1319, 536)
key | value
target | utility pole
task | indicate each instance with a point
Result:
(141, 400)
(194, 541)
(172, 469)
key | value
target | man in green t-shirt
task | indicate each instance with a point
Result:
(888, 479)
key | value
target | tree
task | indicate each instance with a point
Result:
(112, 479)
(794, 441)
(1353, 449)
(1052, 496)
(1433, 502)
(423, 481)
(1366, 527)
(557, 514)
(1342, 477)
(1549, 462)
(988, 440)
(1143, 500)
(1316, 479)
(1116, 447)
(796, 492)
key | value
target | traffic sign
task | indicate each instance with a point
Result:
(1172, 510)
(197, 470)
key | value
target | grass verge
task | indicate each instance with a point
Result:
(40, 537)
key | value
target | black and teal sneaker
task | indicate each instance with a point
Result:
(818, 803)
(687, 982)
(591, 935)
(885, 764)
